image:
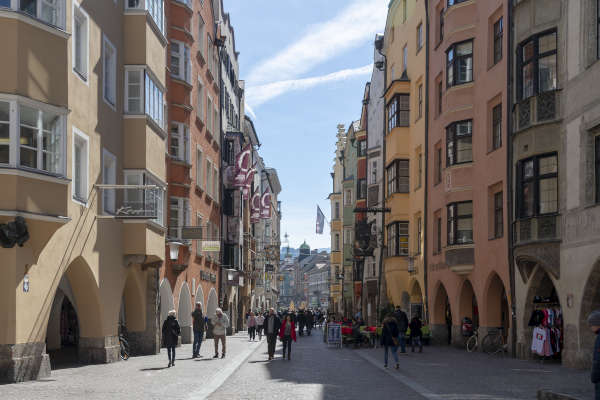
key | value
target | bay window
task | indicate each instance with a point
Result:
(142, 90)
(398, 111)
(50, 11)
(537, 186)
(179, 215)
(536, 65)
(459, 63)
(180, 61)
(179, 147)
(154, 7)
(146, 202)
(459, 142)
(361, 189)
(397, 239)
(32, 137)
(398, 177)
(460, 223)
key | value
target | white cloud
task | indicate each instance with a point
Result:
(258, 95)
(249, 110)
(355, 25)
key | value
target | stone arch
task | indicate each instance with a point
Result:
(467, 303)
(416, 300)
(199, 297)
(589, 302)
(441, 316)
(541, 284)
(184, 313)
(496, 311)
(166, 300)
(87, 299)
(212, 303)
(133, 311)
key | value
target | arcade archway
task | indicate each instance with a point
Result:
(441, 316)
(184, 313)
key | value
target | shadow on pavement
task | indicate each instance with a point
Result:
(154, 369)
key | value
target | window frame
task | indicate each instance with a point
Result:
(498, 36)
(534, 61)
(454, 64)
(597, 166)
(419, 234)
(199, 167)
(452, 223)
(157, 14)
(144, 177)
(498, 199)
(452, 160)
(361, 189)
(182, 134)
(438, 243)
(141, 76)
(450, 3)
(199, 220)
(79, 136)
(361, 148)
(420, 101)
(61, 12)
(108, 73)
(521, 182)
(183, 213)
(419, 37)
(109, 195)
(394, 111)
(496, 126)
(77, 13)
(184, 63)
(394, 178)
(395, 249)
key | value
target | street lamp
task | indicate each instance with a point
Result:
(174, 249)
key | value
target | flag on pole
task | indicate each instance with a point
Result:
(320, 221)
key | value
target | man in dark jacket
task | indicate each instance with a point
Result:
(170, 333)
(594, 322)
(310, 320)
(199, 325)
(271, 326)
(402, 321)
(301, 322)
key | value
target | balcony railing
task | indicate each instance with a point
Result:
(534, 229)
(131, 201)
(535, 110)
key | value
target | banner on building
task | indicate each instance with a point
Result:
(242, 166)
(265, 204)
(255, 209)
(320, 221)
(248, 182)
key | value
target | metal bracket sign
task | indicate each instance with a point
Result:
(191, 233)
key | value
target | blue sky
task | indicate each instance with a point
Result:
(305, 64)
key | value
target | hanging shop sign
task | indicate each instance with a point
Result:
(269, 268)
(191, 233)
(211, 246)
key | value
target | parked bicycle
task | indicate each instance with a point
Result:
(492, 343)
(123, 343)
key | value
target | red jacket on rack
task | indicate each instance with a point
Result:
(282, 330)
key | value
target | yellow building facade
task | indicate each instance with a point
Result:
(336, 227)
(404, 47)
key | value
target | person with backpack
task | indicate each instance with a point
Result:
(389, 339)
(198, 327)
(402, 321)
(170, 333)
(416, 335)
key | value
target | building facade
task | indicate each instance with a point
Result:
(349, 170)
(555, 167)
(336, 228)
(77, 124)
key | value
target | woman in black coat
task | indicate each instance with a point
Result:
(170, 334)
(389, 339)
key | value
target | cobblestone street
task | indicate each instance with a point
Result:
(315, 372)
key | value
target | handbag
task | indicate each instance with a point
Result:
(395, 340)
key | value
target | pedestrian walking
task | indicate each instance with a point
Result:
(251, 322)
(402, 321)
(220, 323)
(287, 333)
(272, 325)
(416, 336)
(260, 320)
(310, 320)
(389, 339)
(170, 334)
(594, 322)
(199, 326)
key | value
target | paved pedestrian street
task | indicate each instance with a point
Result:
(315, 372)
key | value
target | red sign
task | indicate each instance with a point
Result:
(265, 205)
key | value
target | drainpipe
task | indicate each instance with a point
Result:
(221, 192)
(425, 214)
(509, 177)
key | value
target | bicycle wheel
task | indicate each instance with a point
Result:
(492, 343)
(472, 343)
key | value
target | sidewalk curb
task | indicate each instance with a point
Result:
(221, 376)
(548, 395)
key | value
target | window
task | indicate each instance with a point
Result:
(109, 72)
(404, 58)
(337, 210)
(201, 36)
(180, 61)
(361, 188)
(498, 216)
(397, 239)
(209, 184)
(49, 11)
(216, 130)
(398, 111)
(438, 164)
(362, 148)
(497, 127)
(348, 236)
(215, 190)
(498, 32)
(5, 132)
(80, 41)
(419, 36)
(597, 167)
(336, 242)
(209, 115)
(420, 108)
(536, 63)
(440, 97)
(154, 101)
(179, 215)
(199, 175)
(373, 174)
(109, 177)
(179, 148)
(459, 142)
(419, 234)
(80, 166)
(441, 20)
(154, 7)
(348, 197)
(149, 201)
(141, 89)
(199, 242)
(459, 63)
(200, 102)
(134, 91)
(537, 187)
(453, 2)
(398, 178)
(419, 170)
(460, 223)
(438, 233)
